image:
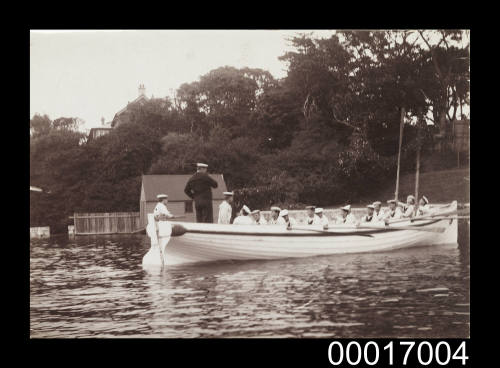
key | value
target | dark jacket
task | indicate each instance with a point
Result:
(199, 187)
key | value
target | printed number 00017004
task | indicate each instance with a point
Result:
(370, 353)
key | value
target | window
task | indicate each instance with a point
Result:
(188, 207)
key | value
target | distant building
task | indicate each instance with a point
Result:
(123, 115)
(454, 137)
(100, 131)
(178, 202)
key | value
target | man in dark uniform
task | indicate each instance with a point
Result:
(199, 188)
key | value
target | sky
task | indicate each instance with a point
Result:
(94, 74)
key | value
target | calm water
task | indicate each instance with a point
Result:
(96, 287)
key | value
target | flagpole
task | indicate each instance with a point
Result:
(399, 151)
(417, 173)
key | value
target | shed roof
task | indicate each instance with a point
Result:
(173, 186)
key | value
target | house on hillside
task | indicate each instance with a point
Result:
(104, 129)
(123, 115)
(178, 202)
(453, 137)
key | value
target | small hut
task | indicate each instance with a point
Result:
(178, 202)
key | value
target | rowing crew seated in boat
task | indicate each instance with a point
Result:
(346, 217)
(312, 217)
(377, 212)
(394, 212)
(278, 217)
(244, 218)
(275, 215)
(408, 207)
(257, 218)
(423, 207)
(315, 216)
(248, 217)
(323, 220)
(281, 217)
(370, 216)
(285, 219)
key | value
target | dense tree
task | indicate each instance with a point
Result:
(325, 134)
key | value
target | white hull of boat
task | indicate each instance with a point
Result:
(212, 242)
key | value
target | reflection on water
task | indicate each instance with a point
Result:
(96, 287)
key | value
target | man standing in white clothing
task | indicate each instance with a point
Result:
(225, 209)
(161, 212)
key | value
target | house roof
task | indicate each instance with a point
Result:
(140, 98)
(173, 186)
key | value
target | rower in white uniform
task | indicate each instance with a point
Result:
(225, 209)
(161, 213)
(378, 213)
(423, 207)
(323, 220)
(275, 215)
(346, 217)
(285, 219)
(258, 219)
(394, 212)
(408, 207)
(369, 217)
(244, 218)
(312, 218)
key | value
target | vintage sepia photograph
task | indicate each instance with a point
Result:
(280, 183)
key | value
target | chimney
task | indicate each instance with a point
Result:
(142, 90)
(102, 121)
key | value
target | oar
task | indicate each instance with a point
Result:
(327, 231)
(158, 238)
(443, 218)
(428, 217)
(159, 245)
(431, 229)
(387, 227)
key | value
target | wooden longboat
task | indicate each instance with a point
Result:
(184, 242)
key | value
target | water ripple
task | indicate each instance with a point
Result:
(95, 287)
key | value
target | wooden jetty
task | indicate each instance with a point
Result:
(106, 223)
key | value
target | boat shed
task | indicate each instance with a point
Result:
(178, 202)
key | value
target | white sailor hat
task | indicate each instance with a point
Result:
(283, 213)
(310, 207)
(377, 203)
(425, 199)
(410, 197)
(160, 196)
(371, 206)
(346, 208)
(199, 164)
(254, 212)
(246, 209)
(318, 210)
(277, 209)
(228, 193)
(392, 201)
